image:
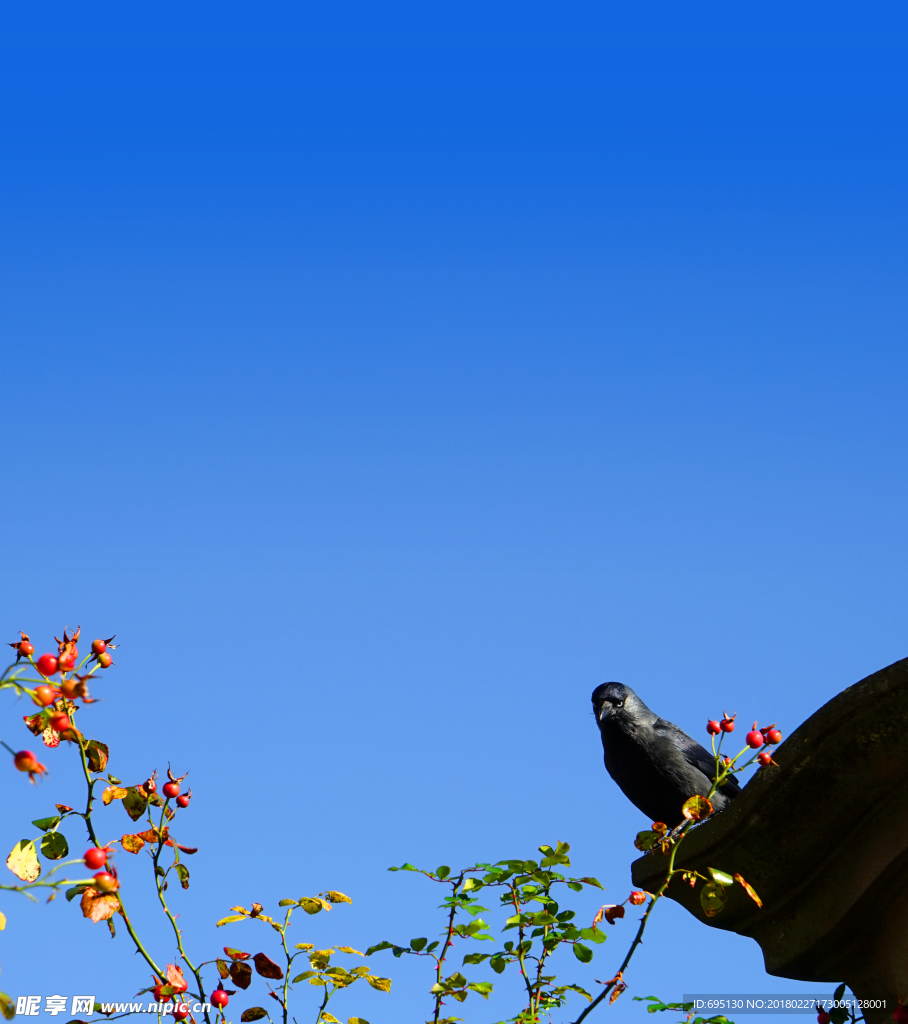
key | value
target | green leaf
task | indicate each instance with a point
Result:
(76, 890)
(23, 861)
(253, 1013)
(443, 871)
(135, 802)
(593, 934)
(404, 867)
(231, 919)
(183, 872)
(46, 823)
(384, 944)
(114, 779)
(583, 953)
(498, 964)
(712, 899)
(304, 976)
(7, 1006)
(54, 845)
(482, 987)
(576, 886)
(720, 877)
(96, 754)
(288, 903)
(475, 958)
(418, 944)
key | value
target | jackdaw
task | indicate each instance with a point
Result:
(656, 765)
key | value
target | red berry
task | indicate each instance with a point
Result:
(774, 736)
(823, 1017)
(95, 858)
(26, 649)
(754, 738)
(105, 882)
(183, 800)
(727, 725)
(60, 722)
(713, 728)
(66, 663)
(26, 761)
(105, 660)
(45, 695)
(171, 789)
(219, 998)
(900, 1014)
(765, 758)
(46, 664)
(150, 786)
(98, 647)
(180, 1012)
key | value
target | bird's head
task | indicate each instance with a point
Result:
(617, 703)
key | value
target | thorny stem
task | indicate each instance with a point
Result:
(289, 960)
(159, 885)
(439, 960)
(90, 782)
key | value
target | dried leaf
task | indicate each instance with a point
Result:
(63, 808)
(23, 861)
(7, 1006)
(253, 1013)
(613, 913)
(132, 843)
(50, 738)
(696, 807)
(174, 976)
(618, 989)
(266, 967)
(183, 872)
(185, 849)
(223, 969)
(97, 906)
(96, 754)
(749, 890)
(112, 793)
(236, 954)
(241, 974)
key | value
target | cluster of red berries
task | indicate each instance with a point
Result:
(95, 859)
(756, 738)
(65, 661)
(171, 789)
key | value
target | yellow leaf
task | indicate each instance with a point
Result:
(132, 843)
(329, 1018)
(2, 922)
(336, 897)
(23, 861)
(240, 910)
(350, 949)
(113, 793)
(357, 1020)
(231, 919)
(312, 904)
(304, 945)
(382, 984)
(7, 1006)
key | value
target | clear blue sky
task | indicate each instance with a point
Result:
(388, 376)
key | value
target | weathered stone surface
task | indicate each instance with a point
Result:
(823, 839)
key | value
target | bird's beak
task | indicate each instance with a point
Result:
(606, 711)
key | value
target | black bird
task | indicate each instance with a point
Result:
(656, 765)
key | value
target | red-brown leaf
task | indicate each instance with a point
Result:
(267, 968)
(241, 974)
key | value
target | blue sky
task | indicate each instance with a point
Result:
(387, 378)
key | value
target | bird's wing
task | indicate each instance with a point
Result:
(696, 755)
